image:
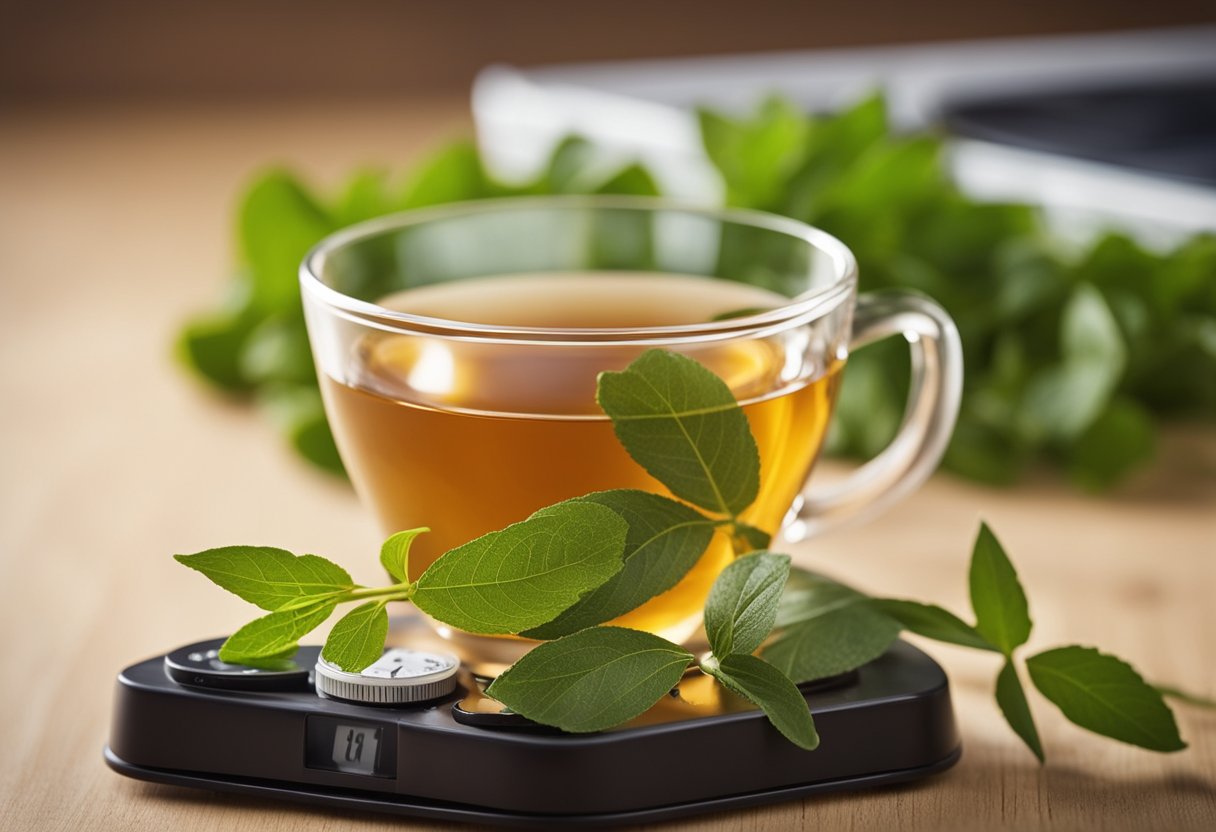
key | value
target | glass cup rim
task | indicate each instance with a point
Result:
(800, 309)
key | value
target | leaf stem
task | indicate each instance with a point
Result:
(395, 592)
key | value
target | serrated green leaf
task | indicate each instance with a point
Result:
(838, 639)
(273, 579)
(809, 594)
(527, 574)
(742, 603)
(681, 423)
(275, 634)
(1105, 695)
(1012, 700)
(357, 639)
(769, 689)
(277, 223)
(931, 621)
(664, 541)
(1001, 613)
(395, 553)
(591, 680)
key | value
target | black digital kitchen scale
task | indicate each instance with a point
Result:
(187, 719)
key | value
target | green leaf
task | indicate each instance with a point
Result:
(681, 423)
(526, 574)
(297, 410)
(395, 553)
(1063, 400)
(742, 603)
(931, 621)
(273, 635)
(809, 594)
(1105, 695)
(1117, 442)
(277, 351)
(273, 579)
(212, 344)
(365, 197)
(1001, 612)
(631, 180)
(768, 688)
(1012, 700)
(277, 223)
(756, 156)
(357, 639)
(567, 171)
(453, 174)
(838, 639)
(748, 538)
(665, 539)
(591, 680)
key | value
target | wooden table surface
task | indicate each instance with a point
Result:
(115, 224)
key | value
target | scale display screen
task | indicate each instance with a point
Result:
(351, 746)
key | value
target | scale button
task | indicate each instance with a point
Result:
(198, 665)
(399, 677)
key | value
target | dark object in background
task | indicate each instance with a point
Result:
(1166, 128)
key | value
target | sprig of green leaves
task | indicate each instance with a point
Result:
(1093, 690)
(570, 567)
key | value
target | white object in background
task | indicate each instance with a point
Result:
(643, 110)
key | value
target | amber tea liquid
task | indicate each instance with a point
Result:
(467, 437)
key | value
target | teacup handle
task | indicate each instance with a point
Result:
(933, 401)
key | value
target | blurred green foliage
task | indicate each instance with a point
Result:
(254, 343)
(1070, 358)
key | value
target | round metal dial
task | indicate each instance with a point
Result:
(399, 677)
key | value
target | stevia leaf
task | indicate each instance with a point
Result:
(1001, 613)
(769, 689)
(525, 575)
(931, 621)
(395, 553)
(1105, 695)
(591, 680)
(1012, 700)
(273, 579)
(665, 539)
(838, 639)
(357, 639)
(681, 423)
(273, 635)
(742, 603)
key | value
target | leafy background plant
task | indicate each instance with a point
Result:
(1072, 357)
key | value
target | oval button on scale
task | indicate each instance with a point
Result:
(399, 677)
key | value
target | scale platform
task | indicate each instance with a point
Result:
(463, 758)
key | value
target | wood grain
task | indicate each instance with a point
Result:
(114, 224)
